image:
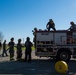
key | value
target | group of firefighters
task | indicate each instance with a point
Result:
(51, 24)
(28, 44)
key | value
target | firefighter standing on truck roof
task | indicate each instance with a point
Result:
(50, 24)
(73, 26)
(11, 48)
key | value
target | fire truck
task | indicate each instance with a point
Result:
(60, 44)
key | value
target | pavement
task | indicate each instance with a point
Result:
(38, 66)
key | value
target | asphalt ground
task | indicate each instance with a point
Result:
(38, 66)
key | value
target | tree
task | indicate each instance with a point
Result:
(1, 36)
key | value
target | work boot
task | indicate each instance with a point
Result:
(11, 59)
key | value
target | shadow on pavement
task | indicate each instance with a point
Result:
(36, 67)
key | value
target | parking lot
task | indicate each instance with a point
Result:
(38, 66)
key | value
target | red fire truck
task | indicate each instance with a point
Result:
(60, 44)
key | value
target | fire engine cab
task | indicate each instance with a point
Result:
(60, 44)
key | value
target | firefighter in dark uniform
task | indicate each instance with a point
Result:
(4, 49)
(0, 47)
(28, 50)
(19, 50)
(11, 48)
(34, 33)
(50, 24)
(73, 26)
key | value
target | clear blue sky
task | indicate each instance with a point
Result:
(19, 17)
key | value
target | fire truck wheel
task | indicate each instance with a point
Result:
(64, 55)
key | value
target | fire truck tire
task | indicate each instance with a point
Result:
(63, 55)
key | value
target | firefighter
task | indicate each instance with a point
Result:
(11, 48)
(35, 29)
(50, 24)
(0, 47)
(28, 45)
(19, 50)
(73, 26)
(34, 33)
(4, 49)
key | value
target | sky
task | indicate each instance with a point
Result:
(19, 17)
